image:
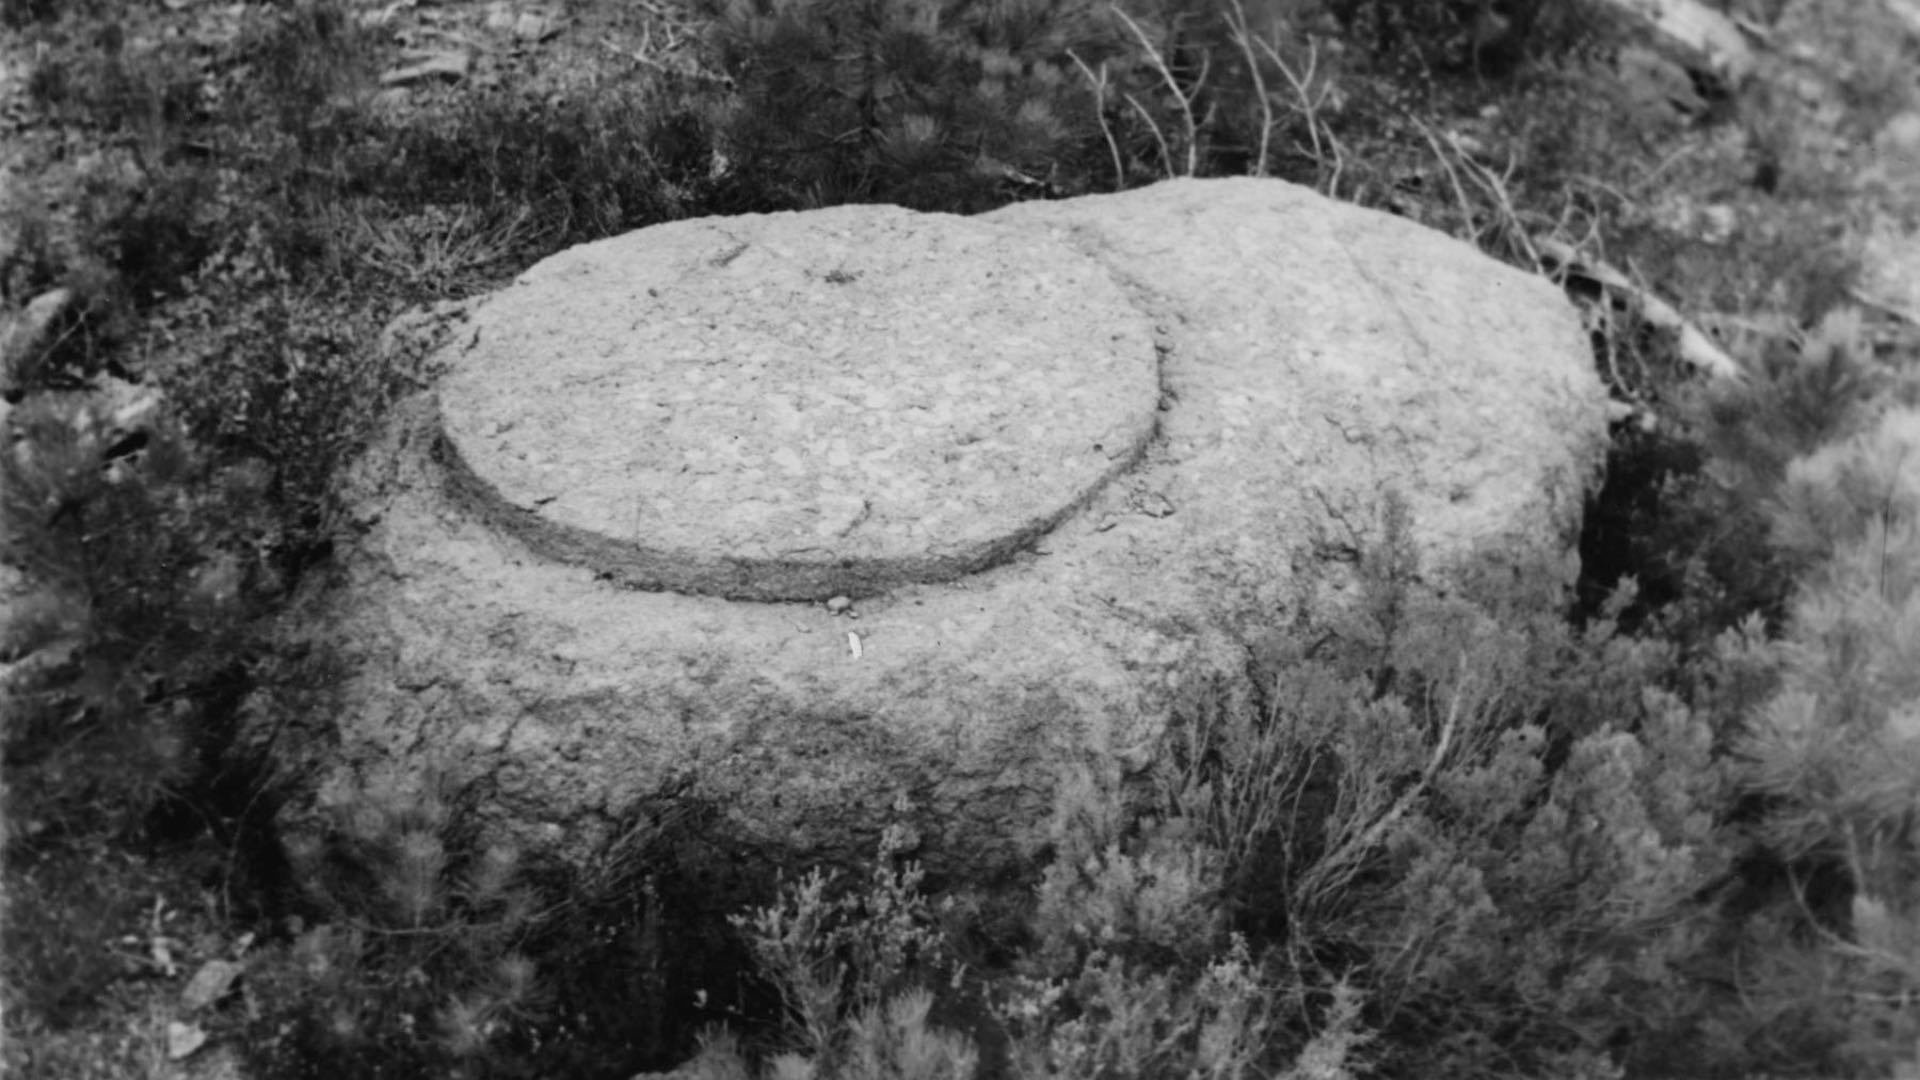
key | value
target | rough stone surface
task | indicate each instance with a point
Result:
(1311, 357)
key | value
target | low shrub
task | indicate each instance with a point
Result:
(1830, 758)
(1683, 509)
(1492, 830)
(851, 967)
(1110, 1017)
(1449, 837)
(134, 607)
(284, 379)
(414, 965)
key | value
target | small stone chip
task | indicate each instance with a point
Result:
(183, 1040)
(839, 604)
(211, 983)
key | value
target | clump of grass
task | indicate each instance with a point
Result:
(512, 179)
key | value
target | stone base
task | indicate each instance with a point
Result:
(1092, 443)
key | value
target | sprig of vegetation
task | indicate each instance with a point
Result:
(415, 967)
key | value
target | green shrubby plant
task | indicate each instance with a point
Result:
(137, 89)
(279, 375)
(1148, 891)
(122, 637)
(838, 957)
(1481, 36)
(851, 967)
(311, 71)
(1450, 836)
(1684, 508)
(142, 206)
(134, 603)
(1487, 837)
(890, 1042)
(1131, 970)
(1118, 1018)
(414, 966)
(1833, 754)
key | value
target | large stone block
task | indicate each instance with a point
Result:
(1066, 462)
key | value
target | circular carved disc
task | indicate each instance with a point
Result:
(796, 406)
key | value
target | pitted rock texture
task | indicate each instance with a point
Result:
(778, 413)
(1312, 357)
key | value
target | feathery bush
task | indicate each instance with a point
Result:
(134, 603)
(415, 966)
(1833, 757)
(1683, 510)
(283, 376)
(850, 966)
(844, 963)
(1493, 831)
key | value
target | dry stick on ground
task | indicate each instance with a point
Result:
(1339, 165)
(1885, 307)
(1310, 107)
(1453, 177)
(1173, 86)
(1555, 258)
(1492, 184)
(1598, 320)
(1166, 155)
(1496, 188)
(1099, 83)
(1236, 17)
(1693, 346)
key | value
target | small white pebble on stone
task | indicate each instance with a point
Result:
(839, 605)
(853, 644)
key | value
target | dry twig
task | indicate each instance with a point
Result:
(1099, 83)
(1185, 98)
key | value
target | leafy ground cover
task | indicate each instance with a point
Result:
(1660, 827)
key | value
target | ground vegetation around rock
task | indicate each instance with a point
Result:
(1658, 828)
